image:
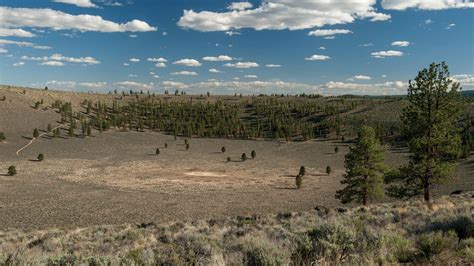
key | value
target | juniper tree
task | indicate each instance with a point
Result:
(157, 151)
(11, 170)
(49, 128)
(228, 159)
(253, 154)
(302, 171)
(336, 150)
(40, 157)
(187, 146)
(166, 145)
(35, 133)
(364, 169)
(244, 157)
(223, 149)
(299, 181)
(328, 170)
(2, 136)
(429, 126)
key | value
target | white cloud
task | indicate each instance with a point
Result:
(359, 77)
(126, 64)
(134, 85)
(160, 60)
(273, 66)
(242, 65)
(174, 85)
(386, 88)
(283, 14)
(15, 33)
(429, 21)
(23, 44)
(367, 44)
(384, 76)
(401, 43)
(18, 64)
(188, 62)
(322, 48)
(57, 20)
(156, 76)
(466, 80)
(134, 60)
(232, 33)
(330, 33)
(52, 63)
(58, 57)
(426, 4)
(219, 58)
(452, 25)
(185, 73)
(133, 75)
(93, 85)
(318, 57)
(160, 65)
(251, 76)
(383, 54)
(80, 3)
(2, 50)
(133, 36)
(240, 6)
(42, 47)
(213, 70)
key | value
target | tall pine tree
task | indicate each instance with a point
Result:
(364, 169)
(429, 126)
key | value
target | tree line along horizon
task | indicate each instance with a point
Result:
(433, 125)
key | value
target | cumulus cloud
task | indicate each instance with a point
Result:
(52, 63)
(251, 76)
(213, 70)
(466, 80)
(15, 33)
(134, 60)
(384, 54)
(401, 43)
(273, 66)
(326, 33)
(93, 85)
(450, 26)
(18, 64)
(3, 50)
(185, 73)
(160, 65)
(188, 62)
(80, 3)
(283, 14)
(240, 6)
(359, 77)
(219, 58)
(426, 4)
(242, 65)
(59, 58)
(386, 88)
(232, 33)
(160, 60)
(57, 20)
(23, 44)
(134, 85)
(317, 57)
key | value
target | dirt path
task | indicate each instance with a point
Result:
(31, 141)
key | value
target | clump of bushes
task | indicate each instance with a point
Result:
(11, 170)
(328, 170)
(253, 154)
(35, 133)
(433, 243)
(40, 157)
(243, 157)
(157, 152)
(223, 149)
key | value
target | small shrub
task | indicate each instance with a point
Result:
(2, 137)
(466, 249)
(334, 242)
(263, 252)
(35, 133)
(400, 249)
(166, 145)
(186, 141)
(11, 170)
(336, 150)
(302, 171)
(432, 244)
(40, 157)
(253, 154)
(328, 170)
(187, 146)
(49, 128)
(299, 181)
(229, 159)
(223, 149)
(244, 157)
(157, 151)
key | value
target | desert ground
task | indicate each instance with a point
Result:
(115, 177)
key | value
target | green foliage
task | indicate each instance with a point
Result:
(229, 159)
(335, 242)
(364, 169)
(336, 150)
(35, 133)
(157, 151)
(187, 146)
(429, 125)
(400, 249)
(299, 181)
(40, 157)
(243, 157)
(433, 243)
(253, 154)
(223, 149)
(262, 253)
(466, 249)
(2, 137)
(328, 170)
(49, 128)
(11, 170)
(166, 145)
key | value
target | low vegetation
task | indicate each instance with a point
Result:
(406, 232)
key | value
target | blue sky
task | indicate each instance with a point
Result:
(329, 47)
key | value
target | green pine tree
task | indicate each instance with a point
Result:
(434, 140)
(35, 133)
(364, 169)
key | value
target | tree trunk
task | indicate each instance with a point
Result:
(427, 191)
